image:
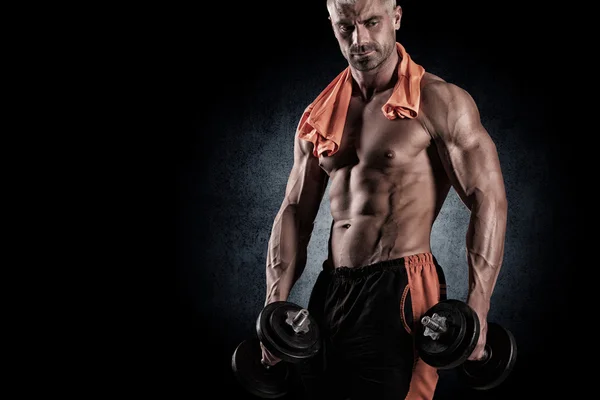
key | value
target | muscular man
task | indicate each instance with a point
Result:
(392, 139)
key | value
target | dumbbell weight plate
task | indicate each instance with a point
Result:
(488, 374)
(280, 339)
(455, 345)
(266, 383)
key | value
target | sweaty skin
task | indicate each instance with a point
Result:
(389, 178)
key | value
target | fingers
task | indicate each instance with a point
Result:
(479, 351)
(267, 357)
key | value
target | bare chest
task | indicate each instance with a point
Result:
(376, 142)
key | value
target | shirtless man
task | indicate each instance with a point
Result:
(389, 179)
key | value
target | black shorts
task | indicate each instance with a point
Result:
(366, 316)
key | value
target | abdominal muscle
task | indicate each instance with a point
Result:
(379, 216)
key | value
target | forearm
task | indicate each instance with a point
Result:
(286, 254)
(485, 246)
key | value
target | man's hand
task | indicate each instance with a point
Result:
(267, 357)
(481, 309)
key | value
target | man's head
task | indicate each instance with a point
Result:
(365, 30)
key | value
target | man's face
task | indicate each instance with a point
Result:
(366, 31)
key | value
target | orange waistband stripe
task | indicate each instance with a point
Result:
(425, 290)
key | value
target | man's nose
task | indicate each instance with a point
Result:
(360, 34)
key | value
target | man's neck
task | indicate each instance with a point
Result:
(384, 77)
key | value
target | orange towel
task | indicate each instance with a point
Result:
(322, 122)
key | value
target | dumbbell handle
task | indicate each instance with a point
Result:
(300, 321)
(433, 325)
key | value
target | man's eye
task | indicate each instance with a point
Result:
(371, 23)
(345, 28)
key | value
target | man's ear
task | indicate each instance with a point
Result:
(397, 17)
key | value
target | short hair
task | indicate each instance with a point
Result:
(390, 4)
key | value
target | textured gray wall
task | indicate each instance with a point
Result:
(233, 178)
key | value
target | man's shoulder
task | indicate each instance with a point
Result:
(439, 93)
(433, 85)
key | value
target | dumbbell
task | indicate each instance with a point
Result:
(448, 334)
(290, 333)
